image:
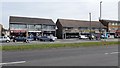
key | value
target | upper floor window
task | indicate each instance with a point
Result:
(113, 23)
(31, 27)
(68, 28)
(52, 27)
(44, 26)
(38, 27)
(18, 26)
(116, 23)
(93, 28)
(110, 23)
(48, 27)
(83, 28)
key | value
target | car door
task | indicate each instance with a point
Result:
(4, 38)
(1, 39)
(46, 38)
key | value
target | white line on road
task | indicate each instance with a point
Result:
(106, 53)
(18, 62)
(112, 53)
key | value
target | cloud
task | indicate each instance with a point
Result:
(59, 0)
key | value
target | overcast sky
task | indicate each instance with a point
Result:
(54, 9)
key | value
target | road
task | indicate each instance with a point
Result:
(82, 56)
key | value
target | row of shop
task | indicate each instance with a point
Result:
(26, 26)
(64, 28)
(24, 33)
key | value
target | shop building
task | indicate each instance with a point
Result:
(73, 28)
(113, 27)
(27, 26)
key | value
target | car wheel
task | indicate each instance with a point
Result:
(41, 40)
(51, 40)
(15, 41)
(7, 41)
(26, 41)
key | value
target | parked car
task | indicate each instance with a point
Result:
(47, 38)
(30, 38)
(4, 39)
(83, 37)
(21, 39)
(103, 37)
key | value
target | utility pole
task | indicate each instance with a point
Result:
(90, 24)
(100, 9)
(100, 16)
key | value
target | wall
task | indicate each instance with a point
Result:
(59, 30)
(1, 29)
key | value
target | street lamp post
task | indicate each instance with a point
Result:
(90, 24)
(100, 16)
(100, 9)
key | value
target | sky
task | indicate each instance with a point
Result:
(119, 11)
(58, 9)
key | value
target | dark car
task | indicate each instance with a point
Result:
(47, 38)
(30, 38)
(33, 38)
(20, 39)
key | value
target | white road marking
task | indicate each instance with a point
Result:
(106, 53)
(112, 53)
(18, 62)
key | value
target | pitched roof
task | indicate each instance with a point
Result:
(28, 20)
(105, 22)
(110, 21)
(79, 23)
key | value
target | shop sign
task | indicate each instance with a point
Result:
(18, 31)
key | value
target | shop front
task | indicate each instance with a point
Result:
(48, 33)
(17, 33)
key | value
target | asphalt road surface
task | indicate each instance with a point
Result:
(82, 56)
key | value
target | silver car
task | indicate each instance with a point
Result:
(4, 39)
(47, 38)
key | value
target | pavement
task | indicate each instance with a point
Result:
(82, 56)
(59, 41)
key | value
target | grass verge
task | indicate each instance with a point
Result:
(57, 45)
